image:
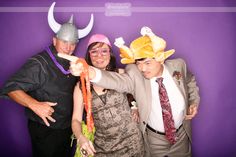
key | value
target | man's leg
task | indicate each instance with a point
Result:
(47, 142)
(182, 147)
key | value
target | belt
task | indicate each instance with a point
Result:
(161, 133)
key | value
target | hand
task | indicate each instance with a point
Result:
(192, 112)
(86, 146)
(44, 110)
(135, 115)
(76, 67)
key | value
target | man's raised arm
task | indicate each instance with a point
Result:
(77, 65)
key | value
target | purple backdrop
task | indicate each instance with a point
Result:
(202, 32)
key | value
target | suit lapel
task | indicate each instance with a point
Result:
(148, 96)
(174, 71)
(148, 90)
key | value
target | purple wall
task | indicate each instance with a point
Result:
(203, 32)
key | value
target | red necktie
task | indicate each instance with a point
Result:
(168, 121)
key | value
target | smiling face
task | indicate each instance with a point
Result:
(100, 55)
(149, 67)
(64, 46)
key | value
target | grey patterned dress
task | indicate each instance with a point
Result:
(117, 135)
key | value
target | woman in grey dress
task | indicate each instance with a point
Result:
(117, 134)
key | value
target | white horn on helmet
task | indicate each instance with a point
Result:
(84, 32)
(68, 31)
(51, 21)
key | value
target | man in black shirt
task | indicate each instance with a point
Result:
(44, 86)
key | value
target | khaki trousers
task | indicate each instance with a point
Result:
(159, 146)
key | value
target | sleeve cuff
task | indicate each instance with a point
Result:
(98, 75)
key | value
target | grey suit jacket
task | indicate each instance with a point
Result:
(133, 82)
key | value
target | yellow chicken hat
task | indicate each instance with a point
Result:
(147, 46)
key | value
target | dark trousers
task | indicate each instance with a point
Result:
(47, 142)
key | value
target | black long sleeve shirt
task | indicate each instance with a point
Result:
(42, 79)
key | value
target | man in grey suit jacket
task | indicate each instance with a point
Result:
(147, 52)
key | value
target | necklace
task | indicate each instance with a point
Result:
(66, 72)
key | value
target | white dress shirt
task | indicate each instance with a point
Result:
(176, 101)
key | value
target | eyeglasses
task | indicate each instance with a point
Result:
(101, 51)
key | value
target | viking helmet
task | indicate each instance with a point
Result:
(68, 31)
